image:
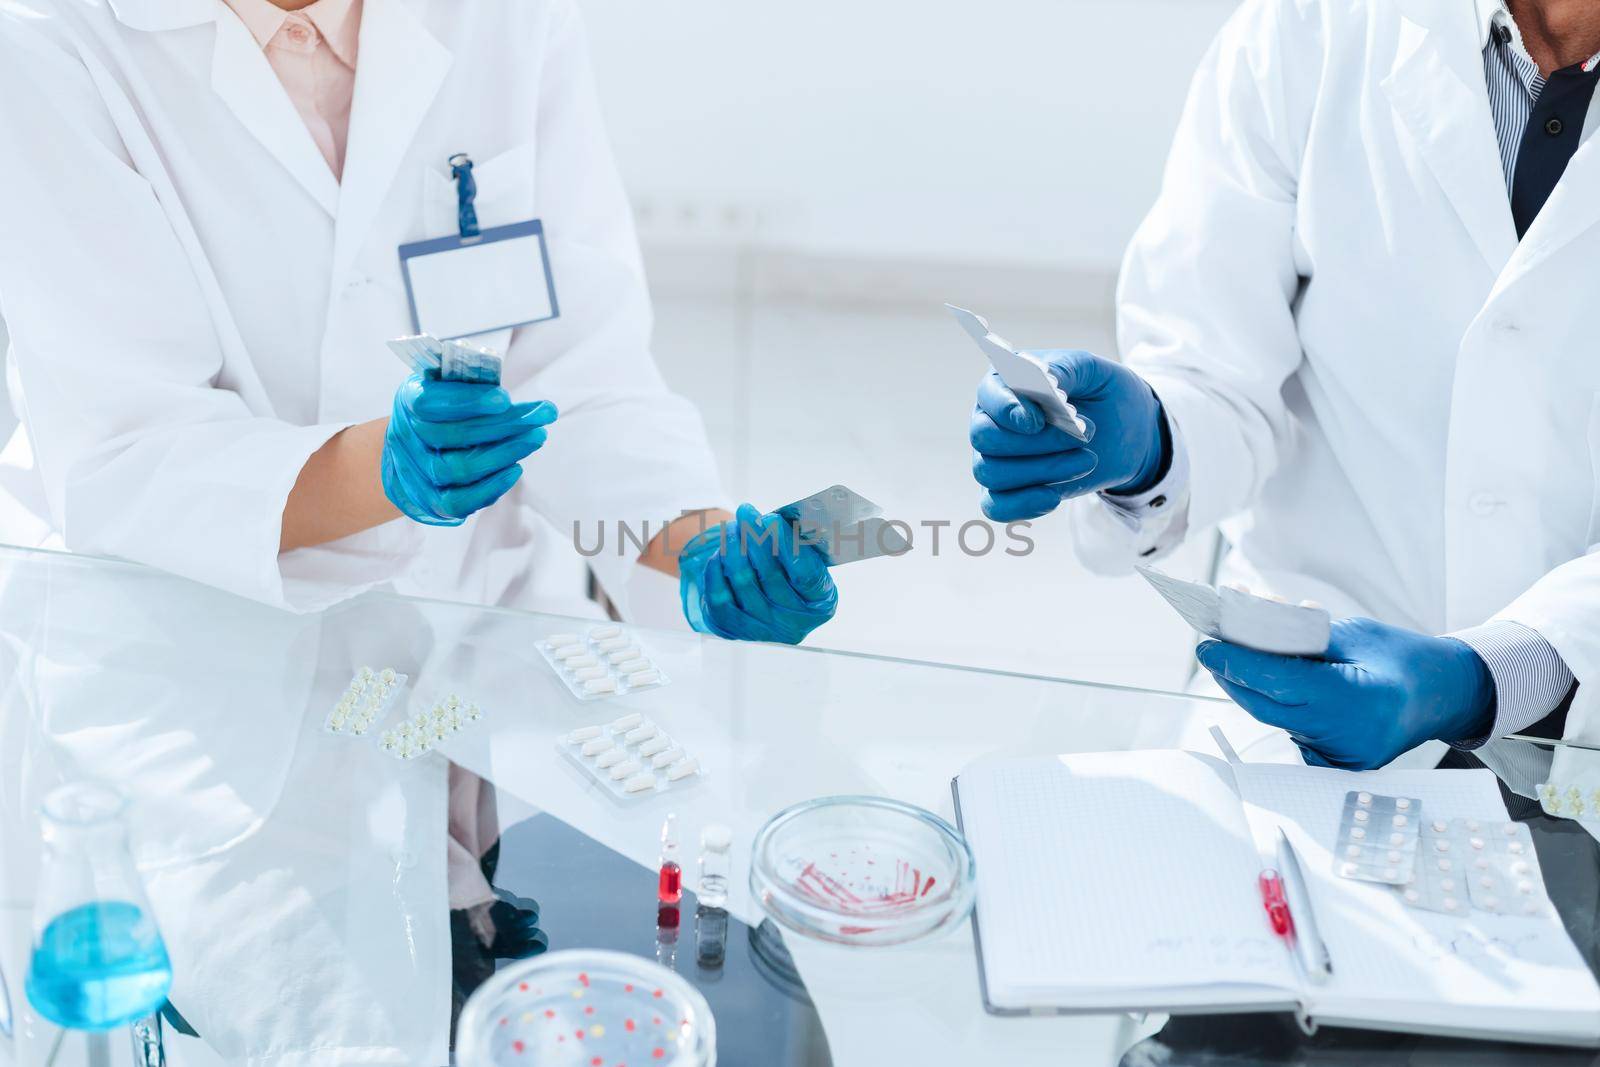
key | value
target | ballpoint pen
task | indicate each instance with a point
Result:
(1304, 937)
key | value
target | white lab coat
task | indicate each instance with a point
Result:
(195, 306)
(1389, 403)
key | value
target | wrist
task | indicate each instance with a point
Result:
(1473, 714)
(1158, 455)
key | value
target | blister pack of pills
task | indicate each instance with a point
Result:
(1243, 618)
(1490, 866)
(1501, 867)
(454, 361)
(631, 758)
(1439, 883)
(605, 662)
(845, 525)
(426, 730)
(1567, 801)
(366, 702)
(1024, 374)
(1377, 838)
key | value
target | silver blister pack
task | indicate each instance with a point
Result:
(845, 525)
(1501, 867)
(1490, 866)
(1439, 883)
(1377, 838)
(1243, 618)
(453, 361)
(1024, 374)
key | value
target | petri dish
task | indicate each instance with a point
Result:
(578, 1006)
(859, 870)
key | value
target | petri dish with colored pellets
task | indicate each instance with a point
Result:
(860, 870)
(586, 1008)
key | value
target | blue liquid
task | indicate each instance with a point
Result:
(99, 966)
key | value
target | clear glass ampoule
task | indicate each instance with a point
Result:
(715, 866)
(711, 917)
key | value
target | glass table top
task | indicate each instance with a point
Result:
(299, 877)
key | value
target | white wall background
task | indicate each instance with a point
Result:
(978, 131)
(812, 180)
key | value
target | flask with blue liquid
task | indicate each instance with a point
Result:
(98, 960)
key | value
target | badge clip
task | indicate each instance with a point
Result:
(466, 193)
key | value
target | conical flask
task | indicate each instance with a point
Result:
(98, 960)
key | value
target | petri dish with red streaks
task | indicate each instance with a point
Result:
(860, 870)
(583, 1008)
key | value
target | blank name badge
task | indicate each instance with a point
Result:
(494, 280)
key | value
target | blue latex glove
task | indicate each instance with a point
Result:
(1381, 691)
(752, 579)
(1027, 467)
(452, 447)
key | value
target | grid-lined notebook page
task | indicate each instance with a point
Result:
(1393, 963)
(1114, 871)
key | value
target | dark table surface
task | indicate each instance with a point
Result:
(588, 896)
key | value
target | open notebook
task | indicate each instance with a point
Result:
(1126, 881)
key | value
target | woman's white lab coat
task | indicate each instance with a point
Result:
(195, 305)
(1391, 404)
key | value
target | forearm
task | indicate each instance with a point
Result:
(661, 554)
(339, 491)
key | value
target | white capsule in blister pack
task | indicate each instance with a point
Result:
(631, 758)
(365, 703)
(1377, 838)
(606, 661)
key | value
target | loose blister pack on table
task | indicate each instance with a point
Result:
(605, 662)
(1567, 800)
(1449, 866)
(1377, 838)
(631, 758)
(366, 702)
(426, 730)
(1243, 618)
(1495, 861)
(1439, 882)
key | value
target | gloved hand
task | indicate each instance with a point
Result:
(1027, 466)
(452, 447)
(751, 579)
(1381, 691)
